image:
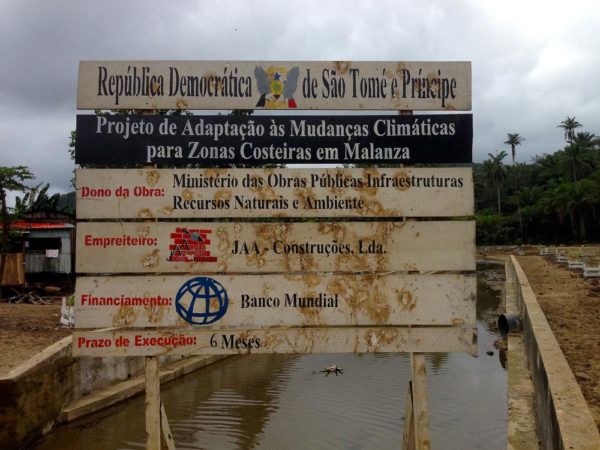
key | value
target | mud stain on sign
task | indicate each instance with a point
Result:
(405, 299)
(154, 313)
(342, 67)
(151, 260)
(145, 213)
(223, 195)
(224, 246)
(311, 315)
(152, 177)
(377, 337)
(124, 317)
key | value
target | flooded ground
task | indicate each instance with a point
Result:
(285, 402)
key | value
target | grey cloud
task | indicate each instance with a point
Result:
(522, 81)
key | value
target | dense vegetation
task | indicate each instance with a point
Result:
(554, 199)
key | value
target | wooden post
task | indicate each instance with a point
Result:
(419, 401)
(152, 403)
(416, 435)
(166, 429)
(408, 438)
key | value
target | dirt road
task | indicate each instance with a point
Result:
(26, 330)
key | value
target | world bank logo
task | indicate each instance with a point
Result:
(201, 301)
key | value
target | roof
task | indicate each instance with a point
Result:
(23, 225)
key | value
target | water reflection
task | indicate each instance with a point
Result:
(284, 401)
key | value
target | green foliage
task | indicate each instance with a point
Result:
(37, 199)
(494, 229)
(11, 179)
(554, 199)
(14, 178)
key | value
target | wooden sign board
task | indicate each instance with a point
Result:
(274, 300)
(331, 85)
(219, 140)
(210, 247)
(243, 193)
(104, 343)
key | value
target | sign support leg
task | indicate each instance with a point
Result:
(166, 429)
(416, 422)
(152, 403)
(408, 438)
(419, 395)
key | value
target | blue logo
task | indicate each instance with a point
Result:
(201, 301)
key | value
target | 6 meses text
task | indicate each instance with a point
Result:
(232, 341)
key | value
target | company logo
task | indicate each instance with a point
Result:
(201, 301)
(190, 246)
(276, 86)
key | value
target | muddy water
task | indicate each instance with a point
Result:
(285, 402)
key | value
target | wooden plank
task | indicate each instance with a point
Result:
(209, 247)
(408, 435)
(274, 300)
(367, 85)
(122, 140)
(244, 193)
(152, 403)
(166, 429)
(419, 397)
(124, 342)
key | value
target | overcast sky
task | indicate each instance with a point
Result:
(534, 62)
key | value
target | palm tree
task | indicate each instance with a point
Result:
(580, 158)
(495, 172)
(513, 139)
(586, 139)
(592, 198)
(569, 125)
(526, 199)
(549, 169)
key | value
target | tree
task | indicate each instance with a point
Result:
(495, 172)
(526, 199)
(586, 139)
(11, 179)
(569, 125)
(548, 169)
(37, 199)
(579, 158)
(513, 139)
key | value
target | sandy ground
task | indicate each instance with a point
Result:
(572, 305)
(25, 330)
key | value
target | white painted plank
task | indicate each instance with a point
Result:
(274, 300)
(210, 247)
(368, 85)
(244, 193)
(274, 340)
